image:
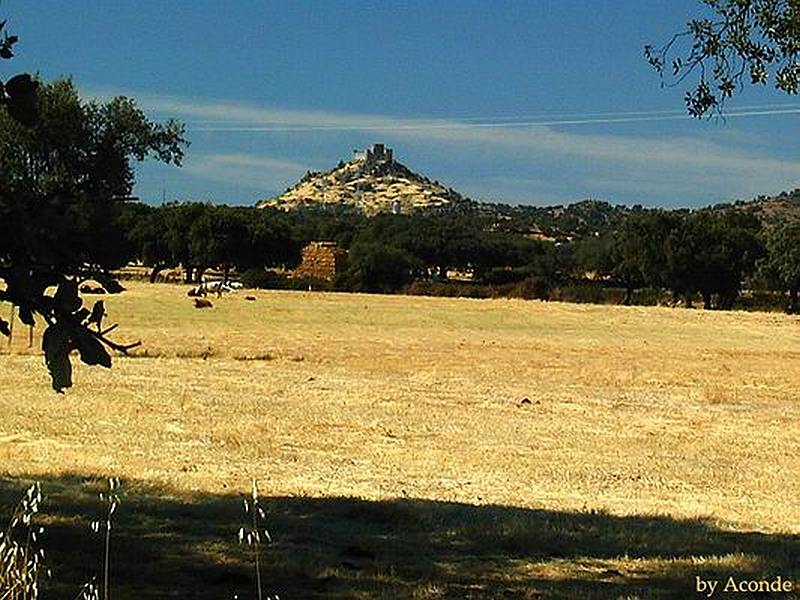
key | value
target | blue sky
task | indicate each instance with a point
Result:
(521, 102)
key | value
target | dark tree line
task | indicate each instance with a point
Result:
(385, 252)
(199, 236)
(706, 255)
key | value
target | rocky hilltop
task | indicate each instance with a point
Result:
(770, 210)
(373, 182)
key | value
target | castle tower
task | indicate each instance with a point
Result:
(378, 154)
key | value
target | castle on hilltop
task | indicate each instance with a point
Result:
(372, 182)
(375, 155)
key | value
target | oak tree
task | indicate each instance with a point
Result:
(64, 174)
(737, 42)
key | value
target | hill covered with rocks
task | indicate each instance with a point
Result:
(371, 181)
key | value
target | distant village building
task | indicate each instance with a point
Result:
(321, 261)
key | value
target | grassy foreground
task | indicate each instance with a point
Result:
(419, 447)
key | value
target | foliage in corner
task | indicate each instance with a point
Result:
(21, 554)
(740, 40)
(65, 173)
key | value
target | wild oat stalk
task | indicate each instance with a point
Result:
(89, 591)
(21, 559)
(111, 501)
(253, 533)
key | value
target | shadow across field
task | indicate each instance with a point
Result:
(172, 544)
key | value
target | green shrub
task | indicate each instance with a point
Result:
(264, 280)
(373, 267)
(450, 289)
(581, 293)
(761, 300)
(531, 288)
(306, 284)
(648, 297)
(504, 275)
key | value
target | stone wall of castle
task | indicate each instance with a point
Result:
(379, 153)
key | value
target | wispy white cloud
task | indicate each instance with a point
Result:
(247, 116)
(672, 153)
(544, 137)
(245, 169)
(523, 189)
(654, 162)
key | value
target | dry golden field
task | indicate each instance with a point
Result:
(412, 447)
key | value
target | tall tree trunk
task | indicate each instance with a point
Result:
(707, 301)
(726, 299)
(791, 307)
(187, 274)
(676, 296)
(154, 273)
(628, 296)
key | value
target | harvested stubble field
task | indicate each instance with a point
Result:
(418, 447)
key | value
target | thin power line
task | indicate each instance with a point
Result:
(401, 125)
(529, 117)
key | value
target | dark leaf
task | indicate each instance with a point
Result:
(4, 328)
(24, 110)
(23, 99)
(81, 315)
(98, 312)
(11, 40)
(26, 316)
(21, 85)
(66, 298)
(6, 53)
(90, 348)
(111, 285)
(56, 346)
